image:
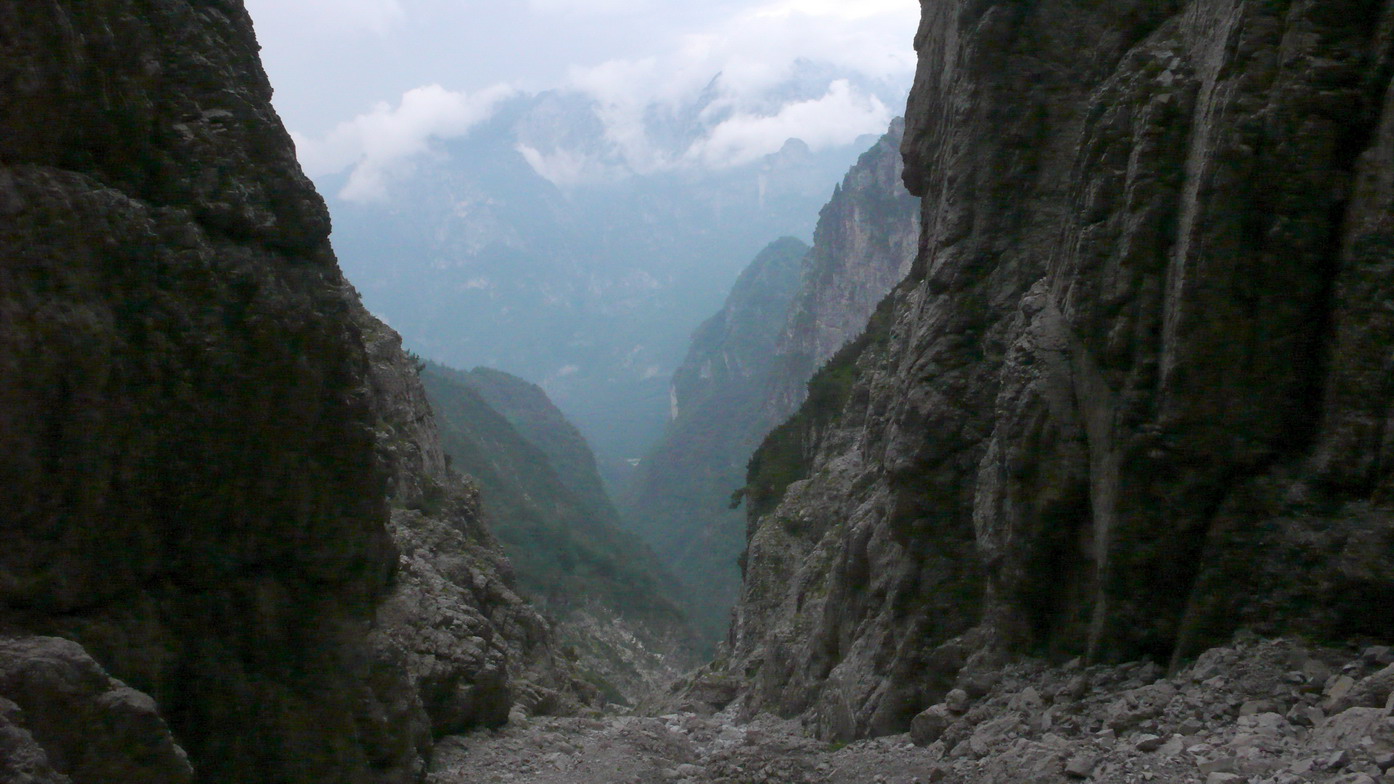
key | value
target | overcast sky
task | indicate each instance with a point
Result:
(376, 80)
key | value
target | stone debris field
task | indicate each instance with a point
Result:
(1258, 712)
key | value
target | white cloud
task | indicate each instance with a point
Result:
(760, 71)
(862, 9)
(382, 141)
(756, 56)
(565, 168)
(327, 16)
(838, 117)
(589, 7)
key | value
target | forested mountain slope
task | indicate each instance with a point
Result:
(748, 365)
(542, 496)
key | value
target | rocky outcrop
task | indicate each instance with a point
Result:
(196, 468)
(471, 647)
(1131, 396)
(63, 719)
(190, 483)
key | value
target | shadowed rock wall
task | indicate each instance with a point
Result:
(197, 470)
(1134, 393)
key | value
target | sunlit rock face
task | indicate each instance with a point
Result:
(1133, 394)
(197, 467)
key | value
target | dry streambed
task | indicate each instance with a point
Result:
(1261, 712)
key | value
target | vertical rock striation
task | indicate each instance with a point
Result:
(865, 242)
(1132, 395)
(748, 366)
(196, 470)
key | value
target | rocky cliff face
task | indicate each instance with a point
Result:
(866, 240)
(471, 646)
(195, 482)
(748, 367)
(1132, 396)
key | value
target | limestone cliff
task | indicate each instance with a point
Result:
(864, 245)
(196, 472)
(748, 366)
(1134, 393)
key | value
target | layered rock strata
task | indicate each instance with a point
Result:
(1133, 394)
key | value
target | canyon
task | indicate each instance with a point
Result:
(1100, 490)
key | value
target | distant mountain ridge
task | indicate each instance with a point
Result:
(682, 488)
(591, 290)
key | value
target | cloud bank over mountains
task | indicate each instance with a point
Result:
(700, 89)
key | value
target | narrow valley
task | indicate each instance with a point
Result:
(1055, 447)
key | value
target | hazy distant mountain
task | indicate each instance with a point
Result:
(590, 287)
(679, 500)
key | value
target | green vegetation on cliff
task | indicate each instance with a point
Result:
(680, 498)
(543, 498)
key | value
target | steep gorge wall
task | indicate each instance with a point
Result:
(866, 240)
(199, 450)
(1133, 394)
(748, 367)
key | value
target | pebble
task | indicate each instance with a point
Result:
(1216, 765)
(957, 701)
(1080, 766)
(1378, 655)
(1148, 743)
(1232, 736)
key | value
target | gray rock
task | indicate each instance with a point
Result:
(1038, 405)
(1080, 766)
(196, 466)
(1378, 655)
(929, 725)
(957, 701)
(1336, 691)
(1147, 743)
(62, 716)
(1216, 765)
